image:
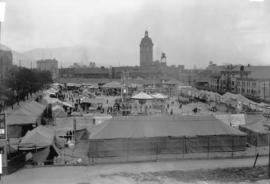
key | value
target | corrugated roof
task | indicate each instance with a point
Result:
(162, 126)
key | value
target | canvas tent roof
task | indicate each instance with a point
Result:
(50, 100)
(45, 153)
(68, 104)
(244, 100)
(74, 85)
(161, 126)
(39, 137)
(86, 100)
(257, 127)
(113, 84)
(21, 117)
(159, 96)
(58, 111)
(253, 118)
(232, 119)
(142, 96)
(172, 82)
(34, 108)
(65, 124)
(229, 97)
(92, 100)
(93, 86)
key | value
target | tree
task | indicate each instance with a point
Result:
(24, 81)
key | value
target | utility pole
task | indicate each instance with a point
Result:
(263, 90)
(269, 156)
(3, 126)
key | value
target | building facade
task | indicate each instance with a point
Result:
(146, 51)
(257, 89)
(50, 65)
(224, 78)
(250, 81)
(5, 63)
(85, 72)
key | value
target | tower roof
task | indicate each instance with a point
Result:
(146, 40)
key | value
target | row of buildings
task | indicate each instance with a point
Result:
(250, 81)
(149, 68)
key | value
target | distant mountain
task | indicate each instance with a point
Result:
(23, 60)
(19, 58)
(66, 56)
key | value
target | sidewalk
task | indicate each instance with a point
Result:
(85, 174)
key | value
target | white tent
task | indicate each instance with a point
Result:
(58, 111)
(113, 84)
(142, 96)
(159, 96)
(53, 101)
(68, 104)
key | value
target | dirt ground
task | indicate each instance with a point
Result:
(187, 171)
(228, 175)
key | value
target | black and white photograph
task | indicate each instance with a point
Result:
(134, 91)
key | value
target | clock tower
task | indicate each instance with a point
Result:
(146, 51)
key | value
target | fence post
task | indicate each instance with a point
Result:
(89, 153)
(257, 155)
(94, 153)
(208, 147)
(127, 150)
(156, 151)
(184, 146)
(232, 145)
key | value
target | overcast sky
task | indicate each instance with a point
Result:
(190, 32)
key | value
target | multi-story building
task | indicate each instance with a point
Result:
(223, 78)
(257, 85)
(50, 65)
(250, 81)
(5, 63)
